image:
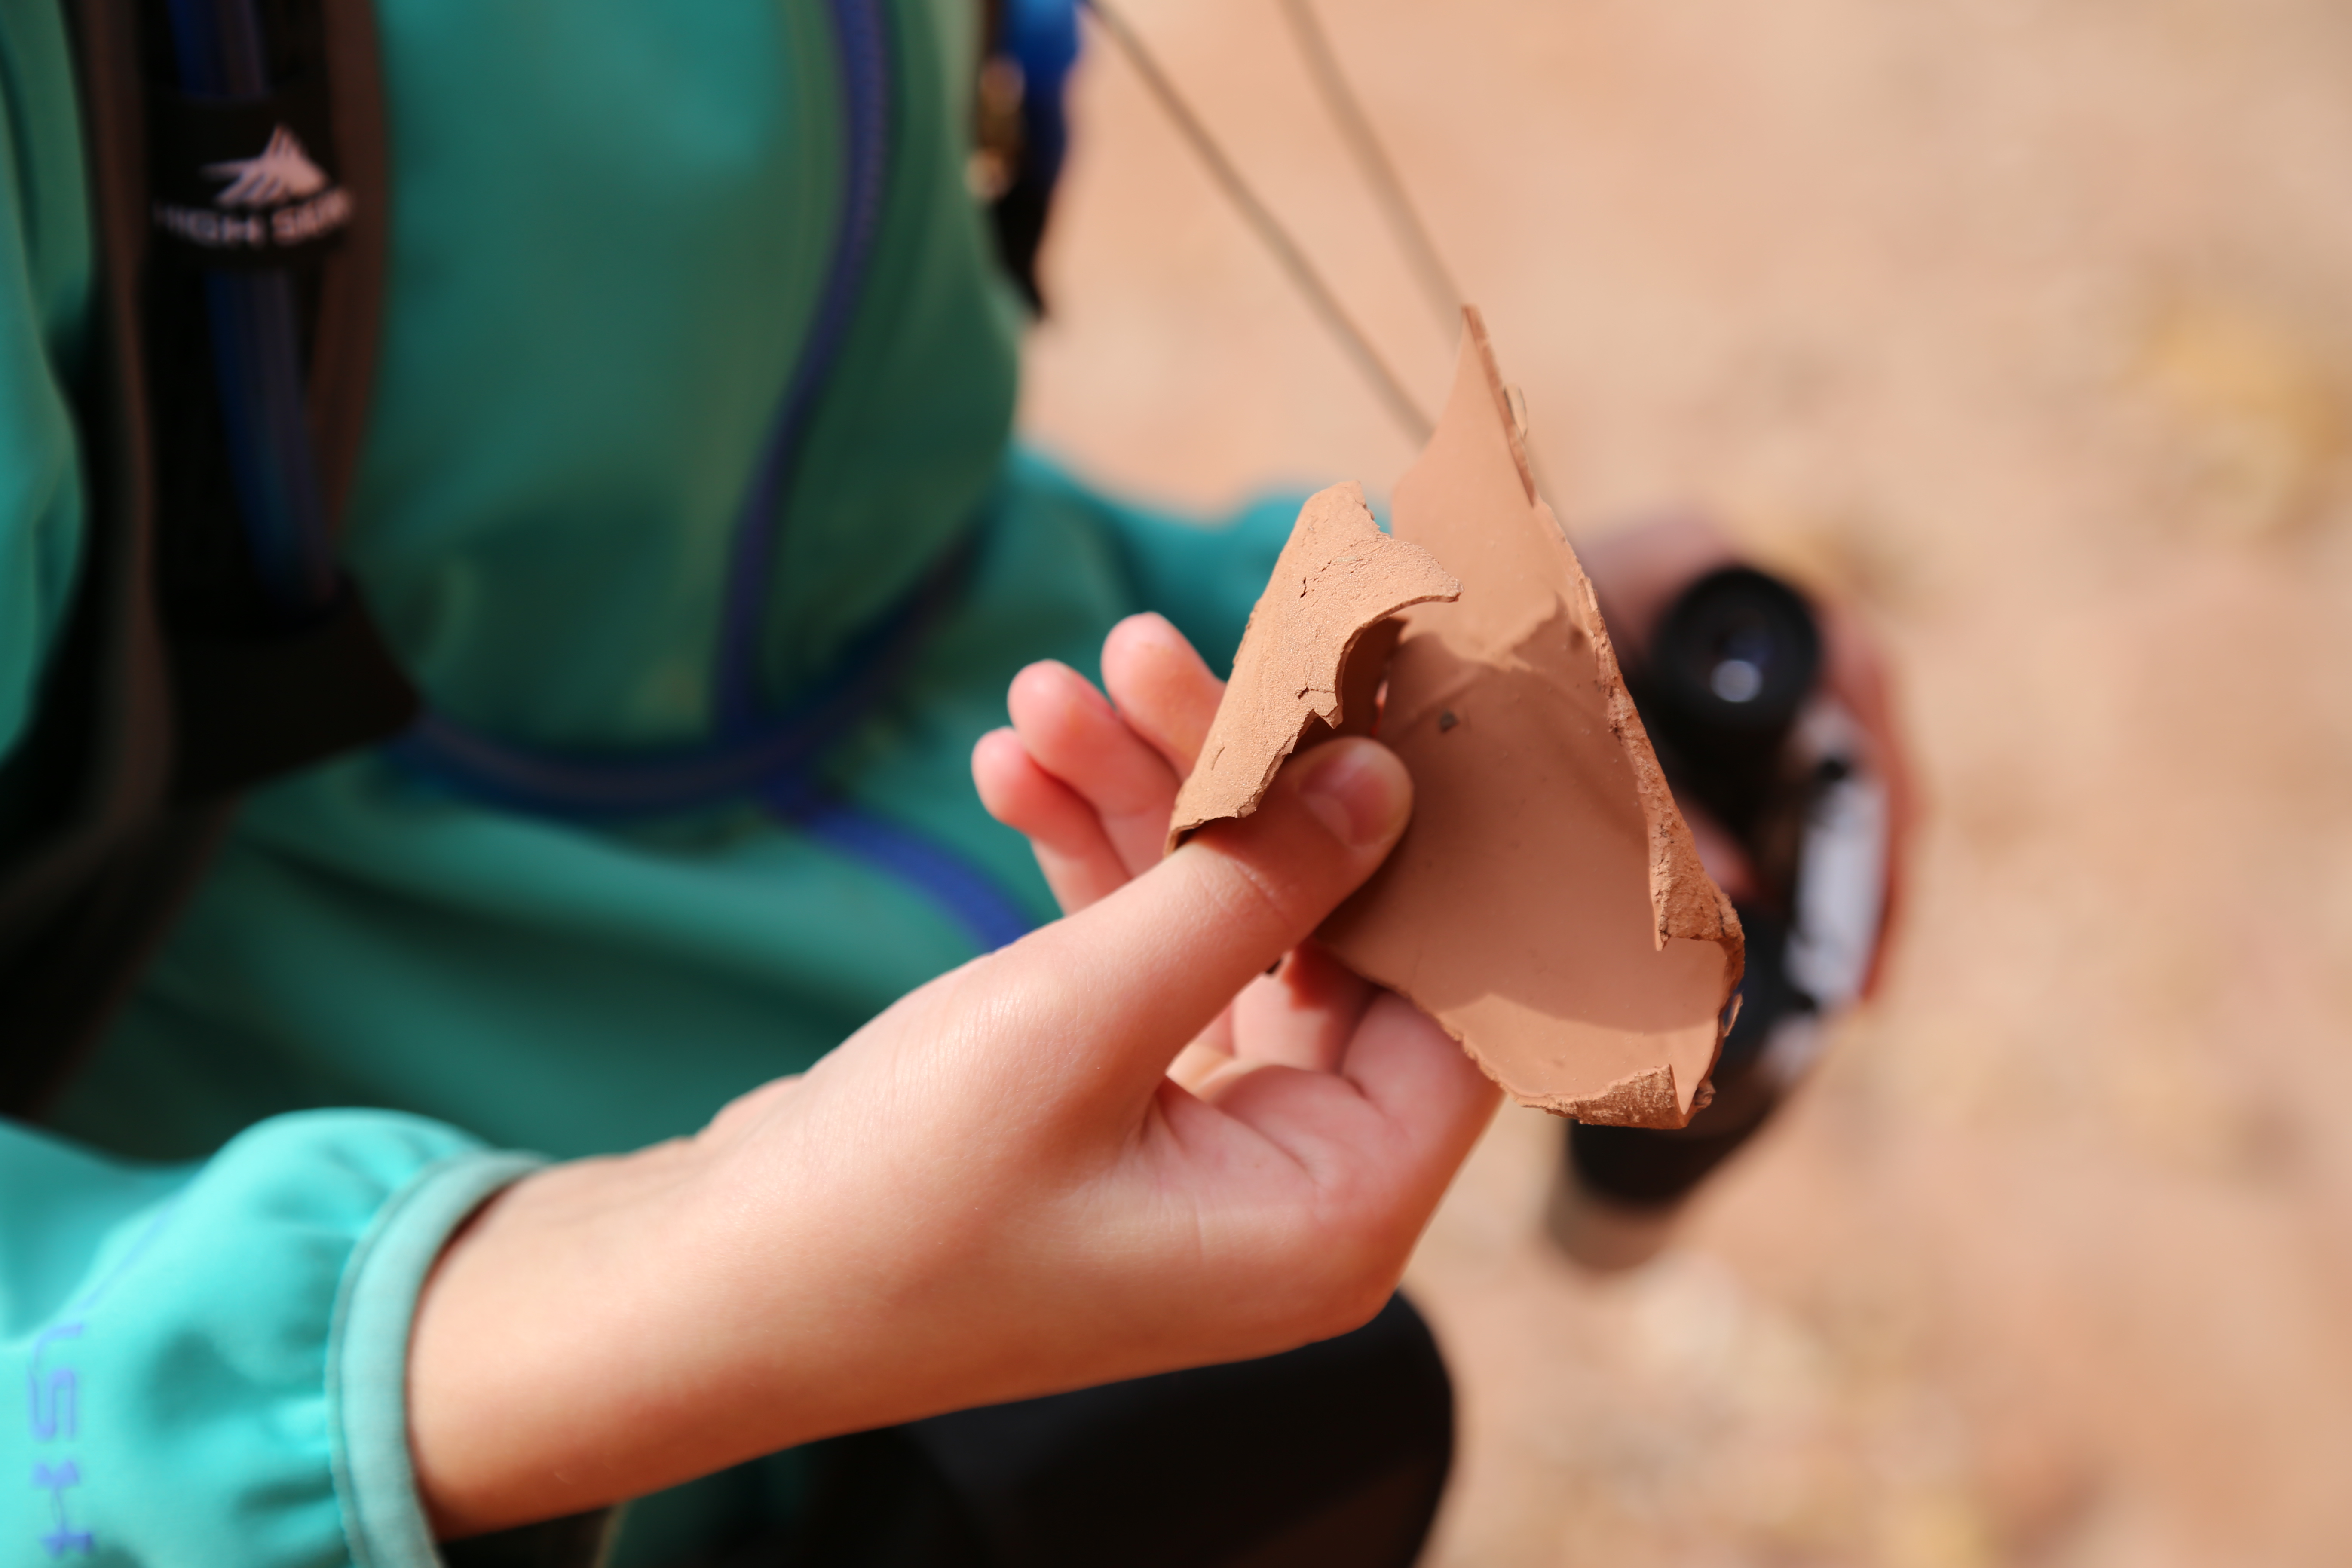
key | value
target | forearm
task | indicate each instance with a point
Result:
(610, 1328)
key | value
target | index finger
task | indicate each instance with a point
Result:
(1162, 687)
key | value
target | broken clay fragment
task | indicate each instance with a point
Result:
(1546, 905)
(1324, 617)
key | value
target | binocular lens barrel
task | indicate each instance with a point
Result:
(1733, 661)
(1729, 671)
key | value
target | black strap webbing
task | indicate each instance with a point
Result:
(173, 686)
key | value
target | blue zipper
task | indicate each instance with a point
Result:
(758, 751)
(863, 47)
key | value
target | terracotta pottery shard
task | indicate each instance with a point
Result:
(1546, 905)
(1311, 661)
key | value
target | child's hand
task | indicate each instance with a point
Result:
(1092, 783)
(991, 1191)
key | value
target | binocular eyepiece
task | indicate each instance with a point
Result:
(1732, 665)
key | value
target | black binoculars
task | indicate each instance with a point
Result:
(1732, 665)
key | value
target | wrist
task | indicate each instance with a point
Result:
(530, 1343)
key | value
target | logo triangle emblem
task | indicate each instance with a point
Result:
(282, 172)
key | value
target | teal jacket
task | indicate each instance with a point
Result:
(611, 226)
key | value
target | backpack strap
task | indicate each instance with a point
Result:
(350, 292)
(178, 681)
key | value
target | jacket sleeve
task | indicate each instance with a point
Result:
(212, 1359)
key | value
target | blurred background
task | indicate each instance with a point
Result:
(2027, 329)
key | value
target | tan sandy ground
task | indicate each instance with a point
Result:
(2029, 326)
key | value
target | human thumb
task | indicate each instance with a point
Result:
(1135, 976)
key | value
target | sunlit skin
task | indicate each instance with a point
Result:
(996, 1188)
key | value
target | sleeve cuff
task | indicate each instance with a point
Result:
(367, 1356)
